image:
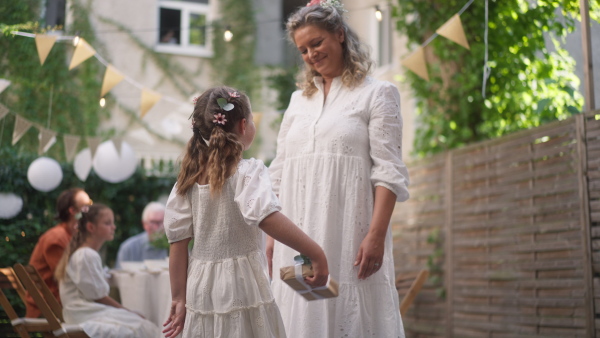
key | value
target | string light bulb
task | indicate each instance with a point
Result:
(102, 102)
(378, 14)
(76, 41)
(228, 35)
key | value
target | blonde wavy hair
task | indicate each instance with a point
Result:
(219, 159)
(357, 59)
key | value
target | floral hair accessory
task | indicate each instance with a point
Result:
(328, 3)
(220, 119)
(234, 94)
(195, 99)
(226, 106)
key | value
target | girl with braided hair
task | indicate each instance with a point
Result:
(83, 286)
(221, 288)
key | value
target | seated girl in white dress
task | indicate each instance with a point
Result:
(223, 202)
(84, 289)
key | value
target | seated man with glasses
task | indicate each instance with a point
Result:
(138, 247)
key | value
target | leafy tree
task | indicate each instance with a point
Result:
(530, 82)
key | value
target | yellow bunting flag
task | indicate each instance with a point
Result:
(111, 78)
(22, 125)
(93, 143)
(117, 142)
(44, 44)
(47, 139)
(3, 111)
(453, 31)
(416, 63)
(71, 142)
(149, 99)
(83, 51)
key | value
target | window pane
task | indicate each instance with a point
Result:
(197, 29)
(170, 26)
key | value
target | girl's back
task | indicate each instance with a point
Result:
(228, 289)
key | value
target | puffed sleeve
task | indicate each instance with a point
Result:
(385, 140)
(276, 166)
(85, 270)
(253, 192)
(178, 217)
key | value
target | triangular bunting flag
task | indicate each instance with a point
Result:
(3, 111)
(118, 142)
(93, 143)
(21, 127)
(47, 139)
(111, 78)
(3, 84)
(44, 44)
(257, 118)
(453, 31)
(416, 63)
(83, 51)
(71, 142)
(149, 99)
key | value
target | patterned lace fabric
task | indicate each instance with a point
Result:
(228, 291)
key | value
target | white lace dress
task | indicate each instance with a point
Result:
(330, 157)
(228, 291)
(84, 282)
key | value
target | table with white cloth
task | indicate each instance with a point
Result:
(145, 291)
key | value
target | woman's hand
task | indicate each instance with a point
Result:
(269, 252)
(174, 324)
(370, 255)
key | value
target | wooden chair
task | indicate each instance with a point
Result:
(22, 326)
(47, 303)
(413, 290)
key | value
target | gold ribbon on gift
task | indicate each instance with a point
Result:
(44, 44)
(111, 78)
(416, 63)
(47, 139)
(21, 127)
(148, 100)
(83, 51)
(71, 142)
(453, 31)
(93, 143)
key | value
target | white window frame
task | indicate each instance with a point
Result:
(383, 31)
(184, 48)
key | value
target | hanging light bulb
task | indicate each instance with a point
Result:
(378, 14)
(76, 40)
(228, 35)
(102, 102)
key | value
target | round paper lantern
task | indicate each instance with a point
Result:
(10, 205)
(83, 164)
(44, 174)
(112, 167)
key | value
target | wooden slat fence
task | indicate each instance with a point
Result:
(510, 230)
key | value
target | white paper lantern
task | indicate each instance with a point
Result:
(44, 174)
(10, 205)
(83, 164)
(110, 166)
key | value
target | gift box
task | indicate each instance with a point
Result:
(294, 277)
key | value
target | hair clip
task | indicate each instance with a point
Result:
(234, 94)
(226, 106)
(220, 119)
(195, 99)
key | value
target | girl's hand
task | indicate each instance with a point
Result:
(320, 270)
(370, 255)
(269, 252)
(174, 324)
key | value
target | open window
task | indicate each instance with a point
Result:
(183, 27)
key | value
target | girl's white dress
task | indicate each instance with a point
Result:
(331, 154)
(83, 283)
(228, 291)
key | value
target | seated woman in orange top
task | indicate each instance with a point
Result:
(51, 245)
